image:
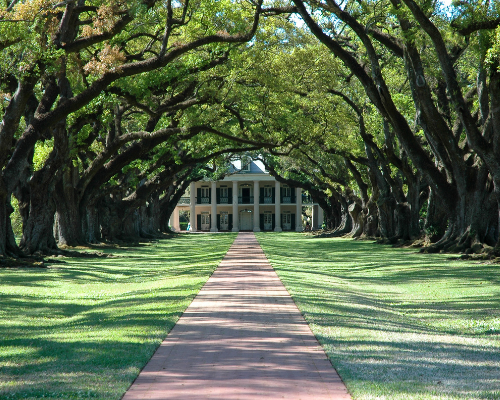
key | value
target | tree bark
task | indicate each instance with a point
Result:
(436, 220)
(358, 218)
(91, 226)
(473, 222)
(38, 233)
(68, 216)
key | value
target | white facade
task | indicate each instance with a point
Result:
(247, 200)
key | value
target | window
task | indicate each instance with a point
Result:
(245, 163)
(223, 195)
(286, 194)
(287, 191)
(268, 194)
(205, 194)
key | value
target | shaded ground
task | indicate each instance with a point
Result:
(85, 328)
(396, 324)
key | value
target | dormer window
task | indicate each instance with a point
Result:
(245, 163)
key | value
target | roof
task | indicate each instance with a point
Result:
(256, 167)
(257, 171)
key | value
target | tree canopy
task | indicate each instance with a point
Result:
(385, 111)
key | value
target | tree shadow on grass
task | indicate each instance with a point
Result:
(131, 265)
(400, 363)
(394, 323)
(387, 349)
(111, 339)
(84, 329)
(405, 367)
(371, 262)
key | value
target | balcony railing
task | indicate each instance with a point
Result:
(245, 200)
(266, 200)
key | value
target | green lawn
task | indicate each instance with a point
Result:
(85, 328)
(394, 323)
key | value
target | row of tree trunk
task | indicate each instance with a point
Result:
(65, 88)
(52, 221)
(447, 183)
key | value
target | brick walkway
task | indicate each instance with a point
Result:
(241, 338)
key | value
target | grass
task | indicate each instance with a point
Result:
(396, 324)
(85, 328)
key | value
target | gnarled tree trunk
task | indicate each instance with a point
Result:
(68, 216)
(358, 220)
(38, 233)
(474, 221)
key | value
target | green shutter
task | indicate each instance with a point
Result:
(198, 200)
(293, 222)
(281, 195)
(261, 200)
(274, 222)
(230, 195)
(230, 222)
(261, 222)
(217, 195)
(274, 195)
(198, 222)
(218, 221)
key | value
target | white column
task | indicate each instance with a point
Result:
(256, 211)
(314, 217)
(298, 209)
(213, 212)
(192, 204)
(175, 219)
(320, 217)
(235, 207)
(277, 208)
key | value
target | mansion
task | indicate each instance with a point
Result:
(248, 199)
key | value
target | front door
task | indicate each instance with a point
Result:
(286, 221)
(205, 221)
(268, 221)
(246, 220)
(224, 221)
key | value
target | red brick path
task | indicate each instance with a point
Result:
(241, 338)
